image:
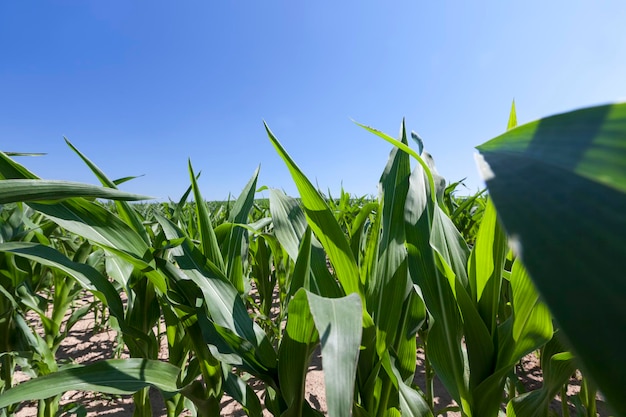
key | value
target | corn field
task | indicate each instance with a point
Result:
(249, 289)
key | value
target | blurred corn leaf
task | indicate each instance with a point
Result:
(24, 153)
(559, 185)
(14, 190)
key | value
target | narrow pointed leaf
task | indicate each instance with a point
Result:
(124, 209)
(426, 268)
(25, 153)
(237, 237)
(405, 148)
(302, 268)
(16, 190)
(323, 224)
(289, 227)
(209, 245)
(512, 118)
(390, 280)
(289, 221)
(114, 376)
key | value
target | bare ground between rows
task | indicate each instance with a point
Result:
(87, 343)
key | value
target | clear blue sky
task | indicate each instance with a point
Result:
(141, 86)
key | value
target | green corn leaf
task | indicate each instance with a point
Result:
(390, 280)
(222, 301)
(527, 330)
(413, 317)
(25, 153)
(262, 247)
(479, 307)
(429, 176)
(223, 304)
(232, 349)
(450, 246)
(559, 185)
(412, 403)
(289, 228)
(113, 376)
(209, 245)
(369, 261)
(102, 228)
(243, 394)
(302, 269)
(9, 169)
(532, 323)
(122, 180)
(295, 352)
(31, 342)
(337, 323)
(213, 372)
(486, 265)
(88, 277)
(557, 366)
(360, 227)
(124, 209)
(238, 236)
(179, 207)
(479, 343)
(323, 223)
(289, 221)
(430, 272)
(17, 190)
(512, 117)
(119, 269)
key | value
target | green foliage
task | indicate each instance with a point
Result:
(252, 288)
(559, 186)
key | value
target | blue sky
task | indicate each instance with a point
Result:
(141, 86)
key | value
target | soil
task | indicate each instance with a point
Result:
(88, 342)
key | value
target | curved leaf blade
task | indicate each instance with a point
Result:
(124, 209)
(114, 376)
(16, 190)
(323, 224)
